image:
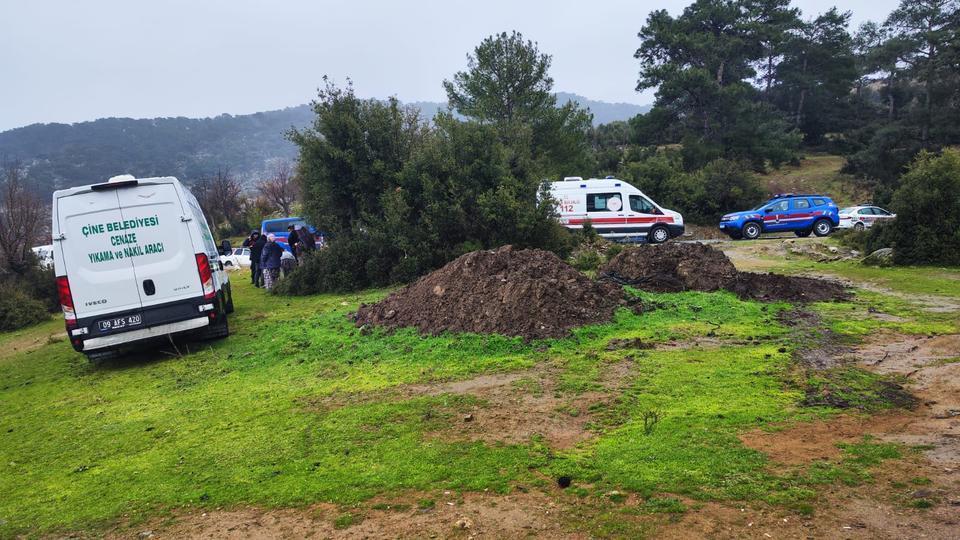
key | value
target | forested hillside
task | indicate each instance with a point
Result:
(61, 155)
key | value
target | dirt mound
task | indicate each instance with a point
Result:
(672, 267)
(774, 287)
(698, 267)
(515, 292)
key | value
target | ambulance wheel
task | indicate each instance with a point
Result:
(822, 227)
(859, 227)
(751, 231)
(804, 233)
(658, 235)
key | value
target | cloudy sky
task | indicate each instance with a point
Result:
(71, 60)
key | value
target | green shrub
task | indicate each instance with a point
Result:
(18, 309)
(927, 204)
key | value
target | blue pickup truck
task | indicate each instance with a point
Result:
(278, 228)
(801, 214)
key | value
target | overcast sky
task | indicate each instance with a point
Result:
(73, 60)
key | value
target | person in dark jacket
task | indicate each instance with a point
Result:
(292, 240)
(270, 262)
(256, 250)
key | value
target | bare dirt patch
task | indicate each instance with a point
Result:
(514, 292)
(453, 515)
(699, 267)
(805, 442)
(516, 408)
(882, 509)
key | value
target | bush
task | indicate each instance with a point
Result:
(927, 204)
(18, 309)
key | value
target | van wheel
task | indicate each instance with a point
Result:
(228, 293)
(658, 235)
(217, 329)
(803, 234)
(822, 227)
(99, 357)
(751, 231)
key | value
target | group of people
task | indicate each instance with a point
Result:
(268, 258)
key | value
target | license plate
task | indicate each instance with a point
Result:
(120, 322)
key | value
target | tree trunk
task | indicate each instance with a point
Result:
(720, 74)
(803, 95)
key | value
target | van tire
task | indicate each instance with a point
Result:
(822, 227)
(218, 329)
(658, 235)
(751, 230)
(228, 295)
(97, 358)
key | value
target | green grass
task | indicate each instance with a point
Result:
(818, 173)
(298, 406)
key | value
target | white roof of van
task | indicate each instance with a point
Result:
(575, 182)
(115, 179)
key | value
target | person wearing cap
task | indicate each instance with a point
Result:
(292, 239)
(270, 262)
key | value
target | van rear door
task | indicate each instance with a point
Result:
(102, 280)
(156, 237)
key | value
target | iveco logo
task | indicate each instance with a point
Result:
(95, 302)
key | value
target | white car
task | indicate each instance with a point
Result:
(859, 218)
(44, 256)
(238, 258)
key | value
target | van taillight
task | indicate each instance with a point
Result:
(66, 301)
(206, 275)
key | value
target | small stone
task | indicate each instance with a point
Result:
(468, 417)
(145, 534)
(390, 314)
(464, 523)
(921, 494)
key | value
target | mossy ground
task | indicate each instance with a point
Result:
(230, 422)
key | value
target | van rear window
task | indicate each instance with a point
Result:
(604, 202)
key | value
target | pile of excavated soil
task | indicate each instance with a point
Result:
(698, 267)
(515, 292)
(672, 267)
(774, 287)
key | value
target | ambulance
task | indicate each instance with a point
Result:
(615, 209)
(135, 260)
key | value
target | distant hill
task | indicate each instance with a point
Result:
(64, 155)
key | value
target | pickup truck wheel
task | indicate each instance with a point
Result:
(658, 235)
(804, 233)
(822, 227)
(751, 231)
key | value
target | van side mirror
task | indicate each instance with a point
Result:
(225, 248)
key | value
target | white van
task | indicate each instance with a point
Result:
(615, 209)
(135, 260)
